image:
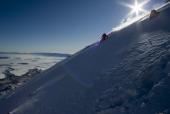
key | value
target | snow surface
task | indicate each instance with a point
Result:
(127, 74)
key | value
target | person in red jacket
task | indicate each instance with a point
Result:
(104, 37)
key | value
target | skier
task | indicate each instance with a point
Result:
(153, 14)
(104, 37)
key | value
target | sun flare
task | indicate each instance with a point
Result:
(137, 7)
(136, 13)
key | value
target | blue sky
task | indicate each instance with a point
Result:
(57, 25)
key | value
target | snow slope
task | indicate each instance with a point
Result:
(89, 64)
(127, 74)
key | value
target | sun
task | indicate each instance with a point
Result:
(136, 13)
(137, 7)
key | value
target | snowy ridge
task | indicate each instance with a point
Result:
(127, 74)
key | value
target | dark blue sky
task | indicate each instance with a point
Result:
(57, 25)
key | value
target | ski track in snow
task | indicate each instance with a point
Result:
(24, 107)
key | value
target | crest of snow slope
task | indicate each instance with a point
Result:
(132, 19)
(122, 75)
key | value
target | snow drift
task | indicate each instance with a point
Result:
(127, 74)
